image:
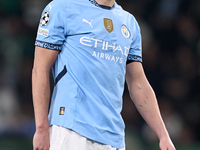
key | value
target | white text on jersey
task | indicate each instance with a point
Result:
(91, 42)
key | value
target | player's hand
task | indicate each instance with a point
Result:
(166, 144)
(41, 140)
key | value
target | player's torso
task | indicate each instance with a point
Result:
(97, 33)
(94, 52)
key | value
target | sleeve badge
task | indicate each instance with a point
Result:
(45, 19)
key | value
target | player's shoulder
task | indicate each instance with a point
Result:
(63, 4)
(58, 4)
(67, 2)
(125, 13)
(55, 3)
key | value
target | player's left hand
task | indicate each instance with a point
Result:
(166, 144)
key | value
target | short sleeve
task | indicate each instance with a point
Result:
(135, 52)
(51, 30)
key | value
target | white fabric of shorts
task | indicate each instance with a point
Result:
(62, 138)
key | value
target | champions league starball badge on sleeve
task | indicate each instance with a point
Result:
(45, 19)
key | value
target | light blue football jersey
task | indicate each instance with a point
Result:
(95, 43)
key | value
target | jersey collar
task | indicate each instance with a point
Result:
(101, 6)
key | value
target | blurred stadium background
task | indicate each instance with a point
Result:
(171, 51)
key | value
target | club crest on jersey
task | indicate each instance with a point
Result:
(108, 24)
(45, 19)
(125, 31)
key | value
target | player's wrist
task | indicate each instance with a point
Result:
(42, 129)
(42, 126)
(161, 131)
(164, 136)
(165, 142)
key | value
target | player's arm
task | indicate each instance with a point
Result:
(145, 101)
(43, 61)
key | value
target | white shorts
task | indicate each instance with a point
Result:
(64, 139)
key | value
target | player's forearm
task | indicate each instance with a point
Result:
(41, 96)
(145, 100)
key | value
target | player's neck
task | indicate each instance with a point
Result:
(109, 3)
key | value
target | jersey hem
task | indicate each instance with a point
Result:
(85, 130)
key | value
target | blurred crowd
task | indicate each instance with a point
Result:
(171, 50)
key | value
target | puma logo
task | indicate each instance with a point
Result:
(51, 6)
(90, 23)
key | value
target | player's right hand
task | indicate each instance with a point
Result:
(41, 140)
(166, 144)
